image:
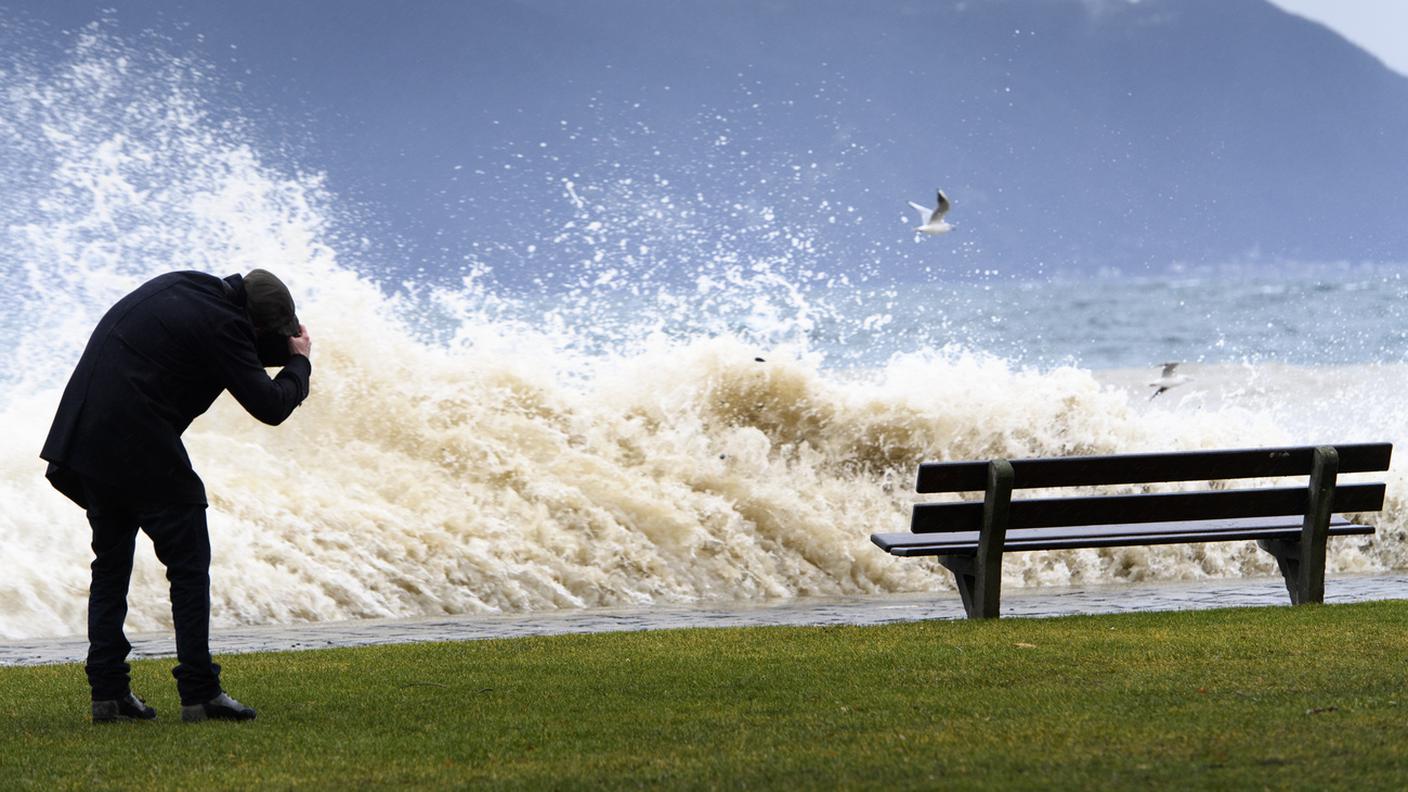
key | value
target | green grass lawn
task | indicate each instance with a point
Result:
(1276, 697)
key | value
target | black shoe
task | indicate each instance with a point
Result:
(222, 707)
(124, 709)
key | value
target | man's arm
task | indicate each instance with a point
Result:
(236, 364)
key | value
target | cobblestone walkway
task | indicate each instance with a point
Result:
(877, 609)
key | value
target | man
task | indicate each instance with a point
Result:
(158, 359)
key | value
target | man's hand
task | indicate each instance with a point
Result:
(300, 344)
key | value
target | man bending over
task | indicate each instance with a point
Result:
(158, 359)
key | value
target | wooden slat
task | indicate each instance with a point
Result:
(1140, 468)
(966, 543)
(884, 540)
(1155, 507)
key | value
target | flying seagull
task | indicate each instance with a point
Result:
(931, 221)
(1167, 379)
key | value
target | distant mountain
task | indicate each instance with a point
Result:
(1140, 133)
(1070, 134)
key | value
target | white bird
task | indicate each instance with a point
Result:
(931, 221)
(1167, 379)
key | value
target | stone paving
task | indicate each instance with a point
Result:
(875, 609)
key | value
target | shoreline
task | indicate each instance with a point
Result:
(802, 611)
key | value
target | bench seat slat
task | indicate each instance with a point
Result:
(1137, 468)
(1154, 507)
(966, 543)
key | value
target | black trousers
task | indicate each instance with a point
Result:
(178, 533)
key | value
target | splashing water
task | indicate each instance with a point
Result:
(491, 458)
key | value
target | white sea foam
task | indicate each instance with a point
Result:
(495, 465)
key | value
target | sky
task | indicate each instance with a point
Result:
(1379, 26)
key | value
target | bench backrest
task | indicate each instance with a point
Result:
(1148, 468)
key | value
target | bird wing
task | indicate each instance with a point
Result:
(924, 212)
(942, 207)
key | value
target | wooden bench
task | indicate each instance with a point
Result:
(1291, 523)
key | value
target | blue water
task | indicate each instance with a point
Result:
(1331, 315)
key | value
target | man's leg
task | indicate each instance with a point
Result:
(182, 543)
(114, 536)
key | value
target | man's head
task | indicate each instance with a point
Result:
(270, 308)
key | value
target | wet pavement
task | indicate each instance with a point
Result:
(807, 611)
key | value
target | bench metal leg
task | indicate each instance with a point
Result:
(964, 570)
(1316, 529)
(1302, 562)
(1287, 556)
(979, 577)
(987, 564)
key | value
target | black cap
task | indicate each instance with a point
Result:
(269, 304)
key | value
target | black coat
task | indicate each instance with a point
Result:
(158, 359)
